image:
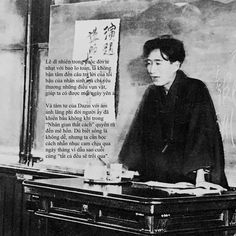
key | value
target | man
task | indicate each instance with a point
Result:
(175, 135)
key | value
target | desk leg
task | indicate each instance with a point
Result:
(46, 204)
(43, 226)
(226, 220)
(150, 223)
(232, 220)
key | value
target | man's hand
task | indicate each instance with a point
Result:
(201, 182)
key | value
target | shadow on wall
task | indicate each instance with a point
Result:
(138, 72)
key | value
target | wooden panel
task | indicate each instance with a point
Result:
(9, 182)
(14, 219)
(2, 191)
(31, 225)
(18, 208)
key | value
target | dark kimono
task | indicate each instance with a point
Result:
(175, 134)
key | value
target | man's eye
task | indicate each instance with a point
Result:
(147, 63)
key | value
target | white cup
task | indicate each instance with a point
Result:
(115, 172)
(95, 172)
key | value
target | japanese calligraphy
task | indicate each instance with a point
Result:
(109, 37)
(93, 37)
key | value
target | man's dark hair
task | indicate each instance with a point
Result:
(171, 49)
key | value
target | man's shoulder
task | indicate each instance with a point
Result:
(150, 89)
(191, 83)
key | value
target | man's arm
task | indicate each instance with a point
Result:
(204, 147)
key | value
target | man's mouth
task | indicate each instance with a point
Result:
(155, 78)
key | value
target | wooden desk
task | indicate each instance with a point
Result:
(127, 209)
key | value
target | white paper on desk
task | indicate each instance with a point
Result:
(179, 185)
(176, 188)
(195, 191)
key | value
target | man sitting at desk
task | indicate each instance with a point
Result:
(175, 136)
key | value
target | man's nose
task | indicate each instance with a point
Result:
(152, 69)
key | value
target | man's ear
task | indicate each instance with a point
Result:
(177, 65)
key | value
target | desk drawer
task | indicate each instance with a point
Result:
(124, 220)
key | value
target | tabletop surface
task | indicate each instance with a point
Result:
(121, 191)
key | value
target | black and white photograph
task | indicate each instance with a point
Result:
(118, 117)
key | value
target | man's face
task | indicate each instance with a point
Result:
(162, 72)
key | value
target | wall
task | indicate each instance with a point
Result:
(12, 36)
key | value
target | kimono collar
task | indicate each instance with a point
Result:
(180, 75)
(172, 94)
(171, 99)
